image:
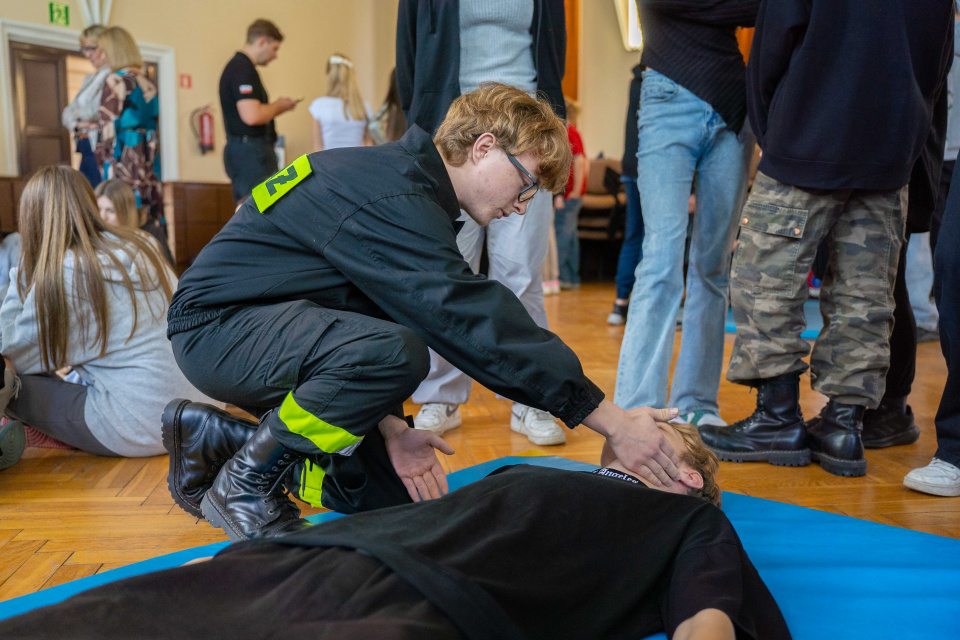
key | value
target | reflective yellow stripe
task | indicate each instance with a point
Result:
(325, 436)
(311, 483)
(275, 187)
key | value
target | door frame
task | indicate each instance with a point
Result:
(62, 38)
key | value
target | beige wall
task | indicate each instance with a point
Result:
(206, 33)
(605, 73)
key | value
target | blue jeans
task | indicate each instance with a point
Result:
(632, 250)
(681, 134)
(568, 242)
(919, 274)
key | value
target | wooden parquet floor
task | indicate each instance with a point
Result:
(66, 515)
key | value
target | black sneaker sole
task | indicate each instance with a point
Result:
(895, 440)
(839, 467)
(171, 442)
(795, 458)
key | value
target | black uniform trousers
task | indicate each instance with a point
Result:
(248, 162)
(946, 268)
(321, 380)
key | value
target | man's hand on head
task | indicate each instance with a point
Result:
(635, 439)
(413, 455)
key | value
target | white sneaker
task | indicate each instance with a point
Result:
(539, 426)
(701, 418)
(438, 417)
(938, 478)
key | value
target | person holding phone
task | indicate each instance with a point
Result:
(248, 114)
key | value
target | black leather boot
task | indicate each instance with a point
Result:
(774, 432)
(200, 439)
(888, 427)
(835, 440)
(247, 500)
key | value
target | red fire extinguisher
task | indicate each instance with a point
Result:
(201, 121)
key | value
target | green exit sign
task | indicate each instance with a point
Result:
(60, 14)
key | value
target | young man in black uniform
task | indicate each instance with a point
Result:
(527, 552)
(313, 308)
(248, 114)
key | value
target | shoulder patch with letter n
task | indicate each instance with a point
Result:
(268, 192)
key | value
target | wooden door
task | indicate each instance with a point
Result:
(40, 95)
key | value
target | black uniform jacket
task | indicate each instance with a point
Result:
(428, 57)
(371, 230)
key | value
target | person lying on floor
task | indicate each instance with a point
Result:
(527, 552)
(314, 306)
(93, 298)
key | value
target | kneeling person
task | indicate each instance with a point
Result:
(314, 306)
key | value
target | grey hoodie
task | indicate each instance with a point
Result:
(130, 385)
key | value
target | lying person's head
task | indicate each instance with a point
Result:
(698, 465)
(118, 204)
(500, 147)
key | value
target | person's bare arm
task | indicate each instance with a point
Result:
(317, 136)
(255, 113)
(709, 624)
(580, 165)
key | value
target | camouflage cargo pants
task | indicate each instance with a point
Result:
(780, 229)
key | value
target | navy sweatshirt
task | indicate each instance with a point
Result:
(841, 93)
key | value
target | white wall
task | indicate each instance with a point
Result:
(605, 73)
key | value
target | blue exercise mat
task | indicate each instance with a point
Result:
(833, 576)
(811, 310)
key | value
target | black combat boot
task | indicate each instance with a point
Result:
(888, 426)
(774, 432)
(835, 440)
(200, 439)
(247, 500)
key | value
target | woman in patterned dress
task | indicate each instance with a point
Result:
(128, 147)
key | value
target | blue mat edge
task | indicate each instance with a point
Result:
(733, 504)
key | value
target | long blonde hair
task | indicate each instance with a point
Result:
(342, 83)
(120, 48)
(58, 214)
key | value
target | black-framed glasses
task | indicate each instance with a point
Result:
(530, 190)
(89, 48)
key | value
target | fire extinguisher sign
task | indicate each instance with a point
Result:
(186, 82)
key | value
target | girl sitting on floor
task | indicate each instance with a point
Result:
(93, 297)
(118, 207)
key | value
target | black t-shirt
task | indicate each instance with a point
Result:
(240, 81)
(546, 553)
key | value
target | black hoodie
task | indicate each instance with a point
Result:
(841, 93)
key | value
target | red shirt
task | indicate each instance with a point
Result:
(576, 146)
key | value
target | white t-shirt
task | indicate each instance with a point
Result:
(337, 130)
